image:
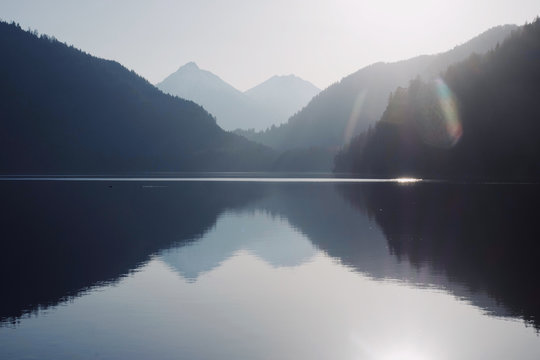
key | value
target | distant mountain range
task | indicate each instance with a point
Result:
(351, 105)
(479, 120)
(64, 111)
(269, 103)
(280, 97)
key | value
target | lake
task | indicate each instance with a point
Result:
(280, 269)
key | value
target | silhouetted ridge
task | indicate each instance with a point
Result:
(269, 103)
(478, 121)
(190, 65)
(63, 110)
(350, 106)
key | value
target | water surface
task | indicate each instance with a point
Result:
(268, 270)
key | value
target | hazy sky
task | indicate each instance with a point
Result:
(247, 41)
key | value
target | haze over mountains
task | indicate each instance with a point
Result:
(280, 97)
(351, 105)
(64, 111)
(269, 103)
(479, 120)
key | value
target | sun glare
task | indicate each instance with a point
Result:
(355, 116)
(404, 354)
(407, 180)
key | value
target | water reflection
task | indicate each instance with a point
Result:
(269, 239)
(60, 238)
(278, 270)
(484, 237)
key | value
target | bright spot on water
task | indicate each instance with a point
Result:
(407, 180)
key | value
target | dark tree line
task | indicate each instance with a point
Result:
(479, 120)
(62, 110)
(358, 100)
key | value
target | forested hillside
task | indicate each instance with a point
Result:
(479, 120)
(64, 111)
(351, 105)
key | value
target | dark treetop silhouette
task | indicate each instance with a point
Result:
(480, 120)
(64, 111)
(351, 105)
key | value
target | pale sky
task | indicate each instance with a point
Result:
(247, 41)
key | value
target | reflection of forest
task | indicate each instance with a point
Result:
(482, 236)
(59, 239)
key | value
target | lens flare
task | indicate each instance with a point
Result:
(355, 115)
(438, 118)
(450, 112)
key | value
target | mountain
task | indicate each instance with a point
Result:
(267, 104)
(230, 106)
(281, 96)
(478, 121)
(64, 111)
(351, 105)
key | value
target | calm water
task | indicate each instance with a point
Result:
(277, 270)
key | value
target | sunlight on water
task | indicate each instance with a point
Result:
(407, 180)
(396, 350)
(208, 179)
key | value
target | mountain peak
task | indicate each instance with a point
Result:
(189, 66)
(283, 80)
(269, 103)
(290, 76)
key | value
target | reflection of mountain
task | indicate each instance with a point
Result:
(484, 237)
(361, 241)
(332, 224)
(271, 239)
(478, 242)
(60, 238)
